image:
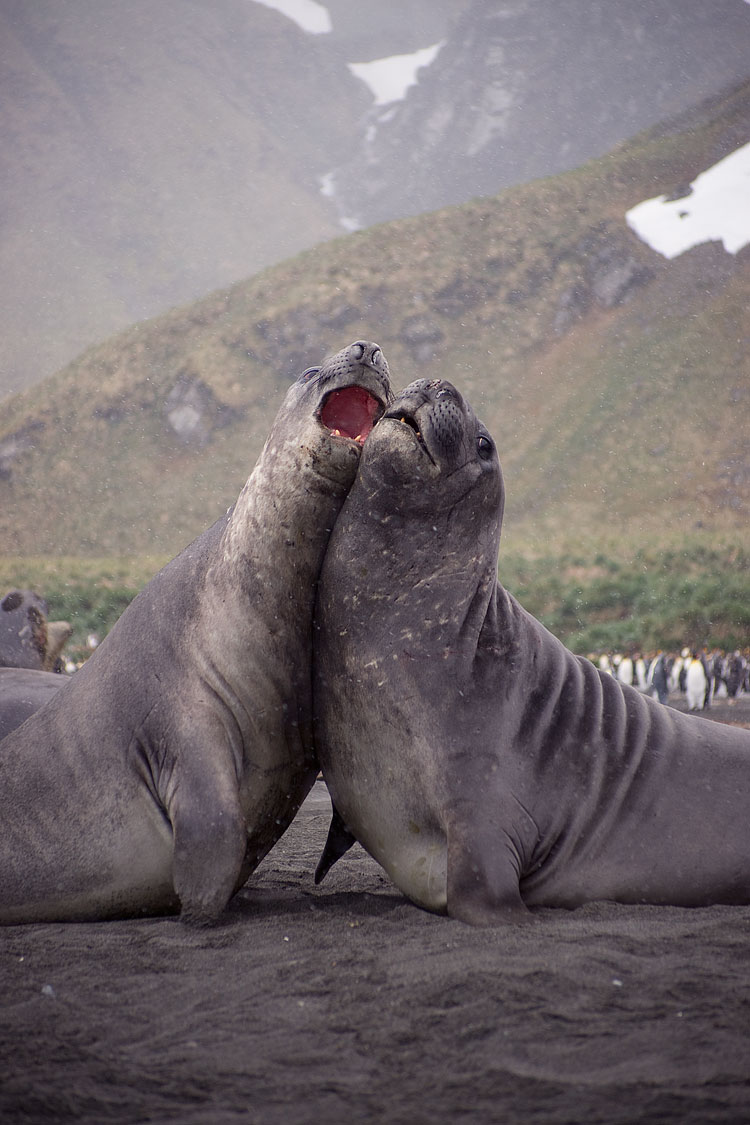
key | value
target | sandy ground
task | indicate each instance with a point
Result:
(345, 1003)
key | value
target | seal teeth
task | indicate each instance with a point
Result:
(411, 424)
(359, 438)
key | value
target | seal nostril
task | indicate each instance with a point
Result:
(358, 351)
(376, 355)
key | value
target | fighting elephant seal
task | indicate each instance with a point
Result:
(166, 769)
(481, 763)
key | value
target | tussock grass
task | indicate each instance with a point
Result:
(690, 592)
(90, 593)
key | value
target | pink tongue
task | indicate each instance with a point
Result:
(350, 412)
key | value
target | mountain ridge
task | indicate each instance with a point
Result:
(153, 153)
(502, 104)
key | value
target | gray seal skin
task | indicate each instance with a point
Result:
(172, 761)
(22, 692)
(482, 764)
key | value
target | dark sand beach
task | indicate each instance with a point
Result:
(345, 1003)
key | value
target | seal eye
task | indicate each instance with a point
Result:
(485, 447)
(306, 376)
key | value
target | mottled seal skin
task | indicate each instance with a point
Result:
(160, 776)
(482, 764)
(22, 692)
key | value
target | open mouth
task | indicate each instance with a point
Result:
(410, 421)
(350, 413)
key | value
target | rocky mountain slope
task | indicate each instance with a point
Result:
(617, 382)
(152, 153)
(532, 87)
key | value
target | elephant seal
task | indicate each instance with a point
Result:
(172, 761)
(30, 648)
(22, 692)
(482, 764)
(27, 638)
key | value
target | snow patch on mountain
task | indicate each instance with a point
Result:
(307, 14)
(389, 79)
(714, 208)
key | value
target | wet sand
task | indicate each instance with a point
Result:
(345, 1003)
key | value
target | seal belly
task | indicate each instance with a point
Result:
(118, 862)
(417, 863)
(395, 824)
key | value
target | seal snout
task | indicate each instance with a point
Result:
(433, 409)
(405, 415)
(369, 354)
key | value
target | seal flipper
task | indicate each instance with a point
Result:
(210, 835)
(482, 878)
(338, 843)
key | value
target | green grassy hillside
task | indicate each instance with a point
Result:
(684, 593)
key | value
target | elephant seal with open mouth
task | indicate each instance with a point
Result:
(481, 763)
(172, 761)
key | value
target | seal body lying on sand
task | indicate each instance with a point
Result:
(166, 769)
(481, 763)
(22, 692)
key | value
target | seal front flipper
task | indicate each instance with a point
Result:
(210, 835)
(482, 876)
(338, 843)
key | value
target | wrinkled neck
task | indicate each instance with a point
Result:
(412, 581)
(273, 546)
